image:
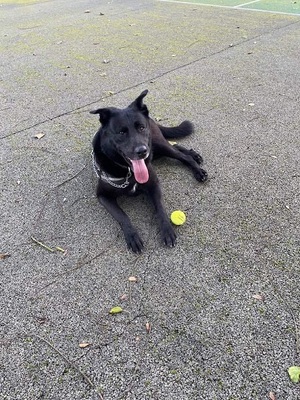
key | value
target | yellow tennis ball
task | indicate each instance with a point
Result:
(178, 217)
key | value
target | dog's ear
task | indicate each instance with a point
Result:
(104, 114)
(139, 105)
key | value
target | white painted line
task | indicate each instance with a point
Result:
(246, 4)
(232, 8)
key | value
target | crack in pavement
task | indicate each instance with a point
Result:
(169, 71)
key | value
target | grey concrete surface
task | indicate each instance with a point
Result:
(235, 74)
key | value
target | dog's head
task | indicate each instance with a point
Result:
(125, 133)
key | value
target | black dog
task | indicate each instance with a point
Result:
(123, 149)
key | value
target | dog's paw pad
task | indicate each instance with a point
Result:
(201, 175)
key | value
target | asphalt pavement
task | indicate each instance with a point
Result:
(218, 316)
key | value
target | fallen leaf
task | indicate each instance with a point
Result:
(106, 61)
(116, 310)
(84, 345)
(123, 297)
(4, 255)
(87, 11)
(132, 279)
(251, 104)
(41, 320)
(39, 135)
(148, 327)
(294, 373)
(272, 396)
(259, 297)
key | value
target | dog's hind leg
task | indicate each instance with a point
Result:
(133, 240)
(188, 157)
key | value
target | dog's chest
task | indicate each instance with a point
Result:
(133, 190)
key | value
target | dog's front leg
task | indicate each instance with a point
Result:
(166, 229)
(133, 240)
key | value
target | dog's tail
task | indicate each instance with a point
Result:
(182, 130)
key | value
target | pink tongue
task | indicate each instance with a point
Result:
(140, 171)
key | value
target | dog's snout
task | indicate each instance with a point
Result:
(141, 151)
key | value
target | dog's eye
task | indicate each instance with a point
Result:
(141, 128)
(122, 131)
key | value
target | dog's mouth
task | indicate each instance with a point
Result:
(140, 170)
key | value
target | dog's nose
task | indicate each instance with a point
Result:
(141, 151)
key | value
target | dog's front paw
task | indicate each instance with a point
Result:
(168, 234)
(134, 242)
(201, 175)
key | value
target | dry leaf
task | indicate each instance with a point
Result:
(4, 255)
(148, 327)
(39, 135)
(132, 279)
(259, 297)
(272, 396)
(41, 320)
(123, 297)
(84, 345)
